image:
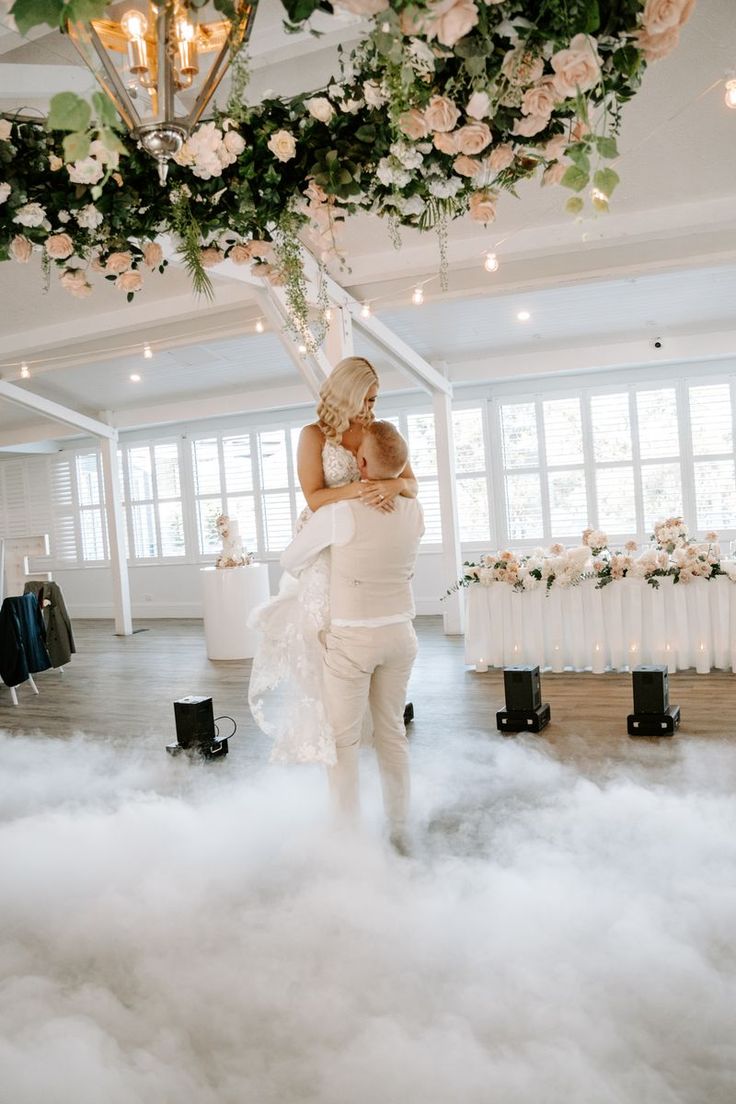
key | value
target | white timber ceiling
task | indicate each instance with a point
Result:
(662, 263)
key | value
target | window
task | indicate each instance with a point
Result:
(152, 492)
(419, 432)
(470, 469)
(610, 418)
(92, 530)
(711, 428)
(277, 489)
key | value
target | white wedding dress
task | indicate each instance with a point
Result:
(285, 691)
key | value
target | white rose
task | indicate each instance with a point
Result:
(374, 97)
(577, 67)
(282, 145)
(479, 105)
(352, 107)
(105, 156)
(234, 143)
(31, 214)
(89, 218)
(320, 108)
(87, 171)
(4, 192)
(5, 130)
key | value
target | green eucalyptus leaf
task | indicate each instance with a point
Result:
(607, 146)
(606, 181)
(76, 146)
(575, 178)
(68, 111)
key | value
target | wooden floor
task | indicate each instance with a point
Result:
(122, 689)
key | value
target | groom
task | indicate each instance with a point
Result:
(370, 646)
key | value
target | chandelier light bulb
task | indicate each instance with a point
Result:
(490, 263)
(259, 326)
(25, 371)
(523, 316)
(417, 296)
(147, 351)
(134, 24)
(365, 310)
(730, 95)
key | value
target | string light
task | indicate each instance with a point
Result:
(147, 351)
(490, 263)
(328, 314)
(135, 378)
(730, 93)
(302, 350)
(259, 326)
(25, 371)
(523, 315)
(417, 296)
(365, 310)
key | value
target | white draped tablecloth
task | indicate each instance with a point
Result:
(625, 624)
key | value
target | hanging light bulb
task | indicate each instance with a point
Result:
(365, 310)
(147, 351)
(730, 96)
(134, 26)
(417, 296)
(302, 350)
(259, 326)
(328, 314)
(490, 263)
(135, 378)
(523, 315)
(25, 371)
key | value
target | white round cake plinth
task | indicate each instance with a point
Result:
(230, 596)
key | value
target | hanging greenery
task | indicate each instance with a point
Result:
(442, 107)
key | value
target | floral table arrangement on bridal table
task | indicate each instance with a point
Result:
(596, 608)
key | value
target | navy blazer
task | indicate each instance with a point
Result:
(22, 640)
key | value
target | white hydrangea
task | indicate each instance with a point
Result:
(30, 214)
(444, 189)
(89, 218)
(64, 217)
(392, 175)
(407, 155)
(87, 171)
(415, 205)
(421, 58)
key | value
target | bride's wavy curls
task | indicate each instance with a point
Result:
(342, 396)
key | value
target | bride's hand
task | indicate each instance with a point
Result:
(379, 493)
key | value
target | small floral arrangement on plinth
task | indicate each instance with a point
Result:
(670, 534)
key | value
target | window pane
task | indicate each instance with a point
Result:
(661, 492)
(429, 497)
(172, 529)
(616, 504)
(140, 474)
(467, 429)
(611, 427)
(88, 481)
(658, 429)
(422, 455)
(93, 547)
(243, 510)
(274, 464)
(277, 523)
(524, 507)
(144, 532)
(715, 494)
(206, 467)
(710, 419)
(238, 467)
(568, 503)
(207, 512)
(519, 435)
(167, 470)
(472, 508)
(563, 431)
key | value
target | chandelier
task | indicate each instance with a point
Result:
(160, 64)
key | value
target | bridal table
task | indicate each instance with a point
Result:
(626, 624)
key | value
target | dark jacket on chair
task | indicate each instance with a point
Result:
(59, 636)
(22, 640)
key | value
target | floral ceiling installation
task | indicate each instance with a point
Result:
(444, 106)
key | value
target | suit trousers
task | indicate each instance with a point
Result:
(369, 666)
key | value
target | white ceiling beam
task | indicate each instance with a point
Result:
(272, 308)
(22, 82)
(58, 413)
(217, 406)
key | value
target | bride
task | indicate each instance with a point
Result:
(285, 691)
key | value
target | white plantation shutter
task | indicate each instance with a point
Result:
(207, 482)
(563, 432)
(14, 497)
(524, 517)
(711, 419)
(610, 418)
(568, 503)
(420, 435)
(611, 425)
(64, 544)
(278, 520)
(711, 425)
(92, 527)
(658, 426)
(661, 492)
(563, 445)
(470, 468)
(616, 500)
(519, 441)
(715, 494)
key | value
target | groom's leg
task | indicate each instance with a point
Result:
(347, 675)
(387, 698)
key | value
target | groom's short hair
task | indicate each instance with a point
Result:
(390, 450)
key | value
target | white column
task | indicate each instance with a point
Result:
(453, 608)
(116, 536)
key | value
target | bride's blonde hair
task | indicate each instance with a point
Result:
(342, 396)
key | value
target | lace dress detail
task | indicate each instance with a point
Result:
(285, 691)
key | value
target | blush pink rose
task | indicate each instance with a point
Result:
(449, 20)
(663, 15)
(74, 281)
(541, 98)
(211, 256)
(521, 67)
(654, 47)
(466, 166)
(240, 254)
(483, 207)
(446, 143)
(153, 254)
(411, 21)
(413, 124)
(118, 262)
(473, 138)
(501, 157)
(441, 114)
(129, 281)
(556, 147)
(577, 67)
(554, 173)
(59, 246)
(530, 125)
(21, 249)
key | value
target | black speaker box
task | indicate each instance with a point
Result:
(523, 689)
(654, 724)
(531, 720)
(651, 689)
(195, 721)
